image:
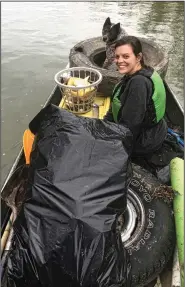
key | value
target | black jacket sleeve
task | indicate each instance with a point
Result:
(135, 98)
(109, 115)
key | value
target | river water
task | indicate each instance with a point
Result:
(35, 43)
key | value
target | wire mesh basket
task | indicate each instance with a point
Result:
(78, 86)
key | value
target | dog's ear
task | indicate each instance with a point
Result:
(115, 29)
(114, 32)
(107, 22)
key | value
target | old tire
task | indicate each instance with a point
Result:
(91, 53)
(152, 243)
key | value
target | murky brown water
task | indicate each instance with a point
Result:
(36, 38)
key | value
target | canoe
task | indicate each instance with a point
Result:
(174, 114)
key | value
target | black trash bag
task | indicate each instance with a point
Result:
(65, 234)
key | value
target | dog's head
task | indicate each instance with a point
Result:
(110, 31)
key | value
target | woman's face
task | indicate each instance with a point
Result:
(126, 60)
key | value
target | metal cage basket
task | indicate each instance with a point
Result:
(78, 99)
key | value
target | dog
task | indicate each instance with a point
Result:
(110, 34)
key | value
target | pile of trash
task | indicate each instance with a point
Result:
(65, 233)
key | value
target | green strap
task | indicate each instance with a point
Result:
(116, 104)
(159, 96)
(113, 93)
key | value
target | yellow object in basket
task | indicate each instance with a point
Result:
(77, 82)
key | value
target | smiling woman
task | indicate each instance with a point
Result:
(139, 102)
(128, 55)
(139, 99)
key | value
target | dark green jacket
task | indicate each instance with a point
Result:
(139, 102)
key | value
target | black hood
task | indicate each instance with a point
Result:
(146, 71)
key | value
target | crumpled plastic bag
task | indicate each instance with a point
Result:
(65, 233)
